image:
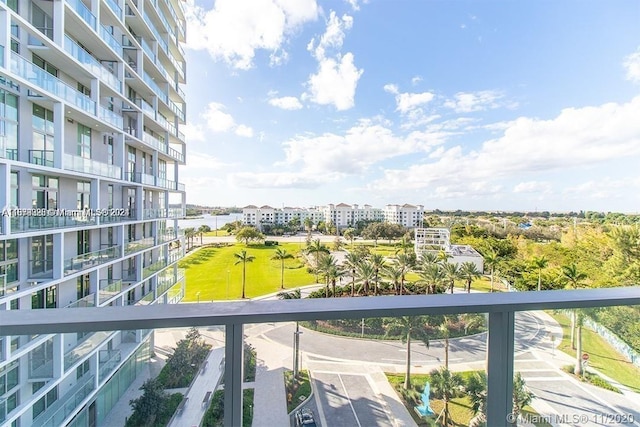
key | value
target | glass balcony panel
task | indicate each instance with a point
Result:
(159, 39)
(22, 224)
(153, 268)
(147, 299)
(90, 166)
(115, 8)
(110, 40)
(110, 117)
(7, 153)
(41, 157)
(108, 290)
(92, 64)
(88, 301)
(154, 142)
(154, 86)
(109, 359)
(81, 348)
(63, 407)
(176, 213)
(155, 213)
(148, 109)
(45, 81)
(176, 154)
(91, 259)
(138, 245)
(84, 13)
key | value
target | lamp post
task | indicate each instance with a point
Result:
(296, 351)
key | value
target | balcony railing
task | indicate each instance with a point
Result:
(501, 309)
(115, 8)
(153, 268)
(108, 289)
(51, 84)
(24, 224)
(176, 213)
(91, 259)
(160, 40)
(110, 40)
(41, 157)
(154, 213)
(154, 86)
(85, 346)
(90, 166)
(92, 64)
(110, 117)
(84, 13)
(63, 407)
(88, 301)
(111, 359)
(7, 153)
(154, 142)
(138, 245)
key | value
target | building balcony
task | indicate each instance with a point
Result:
(233, 316)
(138, 245)
(25, 224)
(92, 259)
(7, 153)
(88, 301)
(109, 359)
(117, 10)
(152, 269)
(154, 142)
(41, 157)
(92, 64)
(92, 167)
(57, 413)
(83, 11)
(45, 81)
(109, 289)
(106, 115)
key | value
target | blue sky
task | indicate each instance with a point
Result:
(482, 105)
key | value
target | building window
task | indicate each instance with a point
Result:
(83, 242)
(9, 123)
(8, 261)
(41, 254)
(45, 298)
(84, 141)
(83, 89)
(43, 139)
(83, 195)
(45, 192)
(110, 196)
(45, 65)
(83, 286)
(109, 142)
(131, 163)
(83, 369)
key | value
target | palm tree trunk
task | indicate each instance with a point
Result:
(244, 264)
(333, 287)
(573, 329)
(402, 285)
(539, 280)
(446, 352)
(407, 378)
(578, 368)
(282, 275)
(491, 279)
(353, 283)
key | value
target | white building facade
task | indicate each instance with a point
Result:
(435, 240)
(91, 111)
(407, 215)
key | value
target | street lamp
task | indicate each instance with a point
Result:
(296, 351)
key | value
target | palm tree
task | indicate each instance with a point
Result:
(491, 260)
(445, 330)
(316, 247)
(539, 263)
(451, 273)
(394, 272)
(201, 230)
(521, 395)
(377, 261)
(281, 255)
(243, 257)
(365, 272)
(296, 342)
(405, 244)
(352, 259)
(432, 276)
(349, 234)
(573, 278)
(189, 233)
(443, 385)
(405, 261)
(469, 272)
(328, 267)
(410, 327)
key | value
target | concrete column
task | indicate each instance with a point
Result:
(58, 255)
(58, 26)
(233, 362)
(500, 368)
(5, 197)
(59, 138)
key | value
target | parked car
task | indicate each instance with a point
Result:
(305, 418)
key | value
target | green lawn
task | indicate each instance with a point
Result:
(213, 272)
(602, 356)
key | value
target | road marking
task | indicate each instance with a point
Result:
(346, 393)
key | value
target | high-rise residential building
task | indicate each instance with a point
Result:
(91, 111)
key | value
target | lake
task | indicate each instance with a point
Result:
(213, 221)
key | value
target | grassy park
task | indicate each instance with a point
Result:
(212, 272)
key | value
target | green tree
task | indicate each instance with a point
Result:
(352, 259)
(539, 263)
(377, 261)
(249, 234)
(349, 234)
(469, 272)
(328, 267)
(409, 327)
(152, 402)
(316, 248)
(394, 273)
(281, 255)
(365, 273)
(521, 395)
(433, 277)
(201, 230)
(444, 385)
(406, 262)
(243, 257)
(573, 279)
(491, 260)
(189, 234)
(451, 273)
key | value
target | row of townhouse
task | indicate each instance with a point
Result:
(91, 111)
(341, 215)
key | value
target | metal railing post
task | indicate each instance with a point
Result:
(500, 368)
(233, 362)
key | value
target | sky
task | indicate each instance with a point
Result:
(527, 105)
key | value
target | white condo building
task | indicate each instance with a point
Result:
(407, 215)
(435, 240)
(91, 110)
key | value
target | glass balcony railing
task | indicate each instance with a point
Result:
(138, 245)
(82, 348)
(7, 153)
(63, 407)
(181, 136)
(108, 290)
(178, 155)
(179, 65)
(153, 268)
(41, 157)
(51, 84)
(154, 213)
(110, 117)
(90, 166)
(91, 259)
(109, 359)
(177, 110)
(109, 39)
(115, 8)
(154, 142)
(92, 64)
(147, 299)
(161, 42)
(127, 215)
(84, 13)
(24, 224)
(154, 86)
(147, 109)
(147, 49)
(88, 301)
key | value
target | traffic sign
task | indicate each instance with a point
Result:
(585, 356)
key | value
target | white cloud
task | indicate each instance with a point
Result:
(577, 137)
(286, 103)
(233, 30)
(217, 120)
(354, 152)
(632, 66)
(409, 101)
(354, 4)
(193, 132)
(467, 102)
(415, 80)
(244, 130)
(391, 88)
(540, 187)
(336, 79)
(605, 189)
(278, 180)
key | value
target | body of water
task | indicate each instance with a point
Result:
(213, 221)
